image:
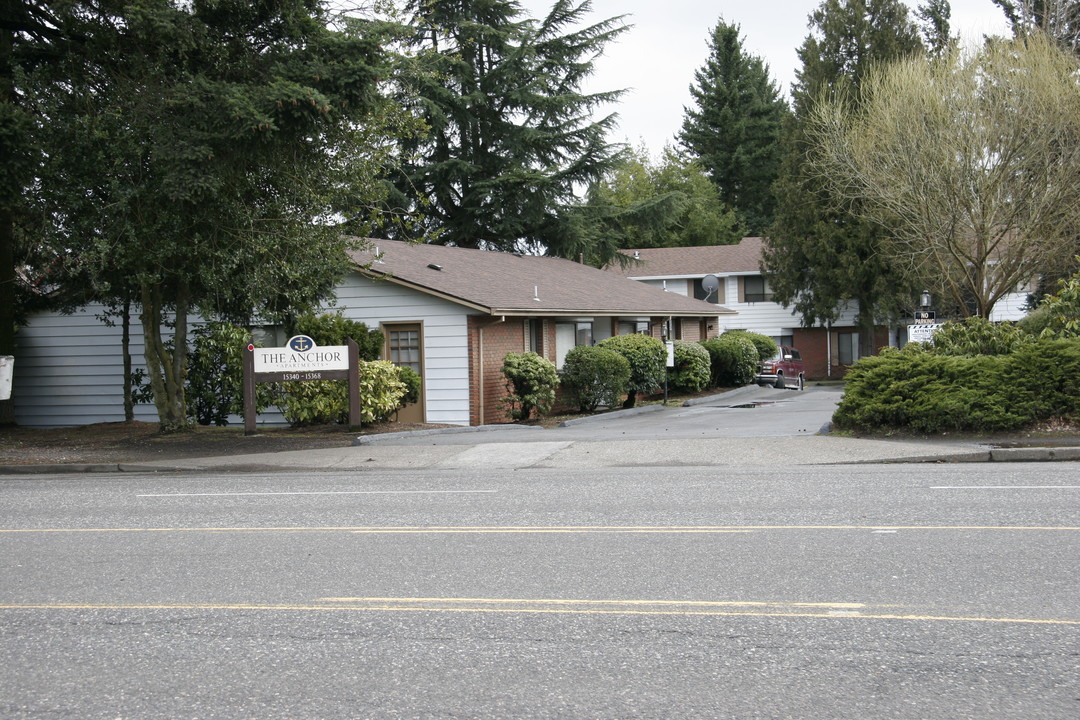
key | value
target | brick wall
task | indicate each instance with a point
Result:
(490, 339)
(813, 345)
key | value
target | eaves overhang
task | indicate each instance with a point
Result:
(541, 311)
(609, 312)
(388, 277)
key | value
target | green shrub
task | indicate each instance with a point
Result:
(595, 376)
(1040, 379)
(647, 357)
(336, 329)
(692, 370)
(766, 347)
(381, 391)
(531, 381)
(733, 360)
(977, 336)
(933, 393)
(215, 377)
(327, 401)
(413, 382)
(1058, 315)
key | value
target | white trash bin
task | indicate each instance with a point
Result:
(7, 368)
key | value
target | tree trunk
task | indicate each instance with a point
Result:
(166, 369)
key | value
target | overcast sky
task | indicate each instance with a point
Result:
(656, 59)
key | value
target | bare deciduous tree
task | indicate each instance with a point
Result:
(971, 161)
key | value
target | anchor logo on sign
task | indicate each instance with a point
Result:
(301, 343)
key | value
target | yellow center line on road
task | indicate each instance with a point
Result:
(540, 607)
(441, 529)
(585, 603)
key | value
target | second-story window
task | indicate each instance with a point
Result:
(756, 289)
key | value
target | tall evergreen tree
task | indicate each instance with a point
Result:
(670, 203)
(935, 16)
(734, 128)
(819, 254)
(512, 134)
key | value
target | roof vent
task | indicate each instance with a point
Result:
(433, 266)
(536, 293)
(637, 254)
(378, 256)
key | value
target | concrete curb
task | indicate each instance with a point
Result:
(67, 469)
(1026, 454)
(371, 439)
(611, 415)
(727, 395)
(1035, 454)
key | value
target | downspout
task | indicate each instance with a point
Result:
(828, 350)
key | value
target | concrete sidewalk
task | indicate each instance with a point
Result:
(514, 447)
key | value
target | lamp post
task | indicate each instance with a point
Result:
(925, 300)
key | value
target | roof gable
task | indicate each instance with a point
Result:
(501, 283)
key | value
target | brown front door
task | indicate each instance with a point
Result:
(404, 346)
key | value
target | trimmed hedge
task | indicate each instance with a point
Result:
(595, 376)
(692, 370)
(647, 357)
(765, 345)
(734, 360)
(530, 381)
(931, 393)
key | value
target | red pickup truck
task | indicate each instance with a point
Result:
(784, 369)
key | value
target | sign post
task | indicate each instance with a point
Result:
(301, 360)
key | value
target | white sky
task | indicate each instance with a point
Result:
(656, 59)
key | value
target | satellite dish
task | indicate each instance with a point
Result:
(710, 284)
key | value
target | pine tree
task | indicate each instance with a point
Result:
(935, 16)
(670, 203)
(734, 128)
(819, 254)
(511, 132)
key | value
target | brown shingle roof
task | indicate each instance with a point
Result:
(508, 284)
(693, 261)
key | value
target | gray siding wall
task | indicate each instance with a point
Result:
(445, 335)
(69, 368)
(69, 371)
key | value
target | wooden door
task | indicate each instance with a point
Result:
(405, 347)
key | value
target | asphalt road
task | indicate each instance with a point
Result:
(946, 591)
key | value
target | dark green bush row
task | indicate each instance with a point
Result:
(932, 393)
(733, 360)
(595, 376)
(530, 383)
(648, 359)
(633, 365)
(692, 370)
